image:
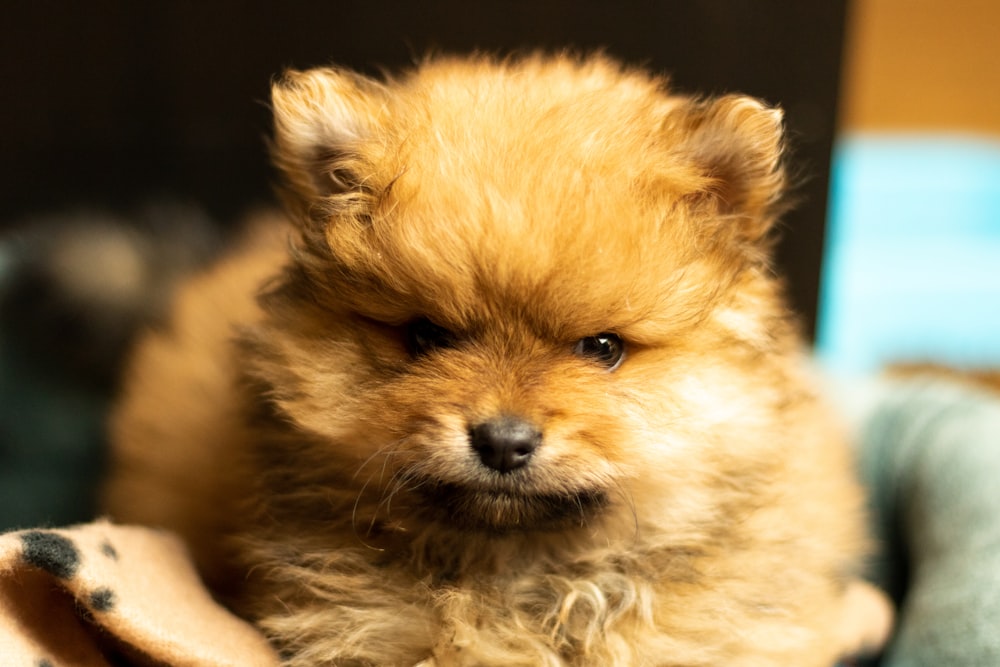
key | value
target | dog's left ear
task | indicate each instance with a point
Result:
(321, 117)
(737, 142)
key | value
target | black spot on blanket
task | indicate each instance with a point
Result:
(108, 550)
(51, 552)
(102, 599)
(44, 662)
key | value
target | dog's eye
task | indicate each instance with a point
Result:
(423, 336)
(607, 349)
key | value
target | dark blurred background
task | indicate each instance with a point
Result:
(110, 104)
(109, 101)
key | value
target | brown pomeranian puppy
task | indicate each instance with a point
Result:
(520, 390)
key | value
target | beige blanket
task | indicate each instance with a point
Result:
(101, 595)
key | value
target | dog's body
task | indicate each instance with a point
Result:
(523, 392)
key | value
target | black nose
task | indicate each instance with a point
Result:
(504, 443)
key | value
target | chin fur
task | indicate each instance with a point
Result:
(504, 511)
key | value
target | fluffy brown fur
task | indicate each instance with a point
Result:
(456, 233)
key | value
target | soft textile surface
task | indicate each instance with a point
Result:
(99, 595)
(931, 454)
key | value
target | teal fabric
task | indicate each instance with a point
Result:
(930, 452)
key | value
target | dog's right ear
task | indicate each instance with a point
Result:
(321, 117)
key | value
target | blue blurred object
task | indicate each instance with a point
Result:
(912, 268)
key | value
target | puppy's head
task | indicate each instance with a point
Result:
(525, 295)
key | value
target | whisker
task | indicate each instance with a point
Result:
(395, 485)
(371, 458)
(387, 451)
(629, 501)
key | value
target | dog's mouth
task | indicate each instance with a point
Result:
(491, 510)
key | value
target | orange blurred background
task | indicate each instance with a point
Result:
(922, 65)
